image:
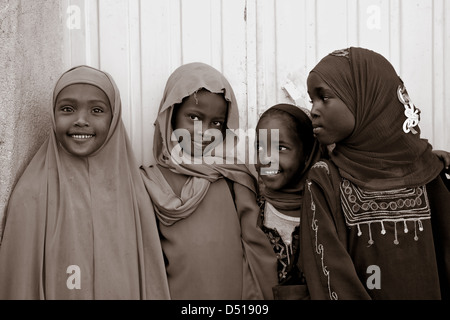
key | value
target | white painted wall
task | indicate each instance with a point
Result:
(260, 46)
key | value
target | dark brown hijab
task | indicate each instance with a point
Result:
(385, 150)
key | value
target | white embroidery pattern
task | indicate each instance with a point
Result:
(320, 250)
(321, 164)
(411, 112)
(398, 205)
(341, 53)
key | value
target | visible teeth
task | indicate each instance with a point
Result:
(82, 136)
(270, 173)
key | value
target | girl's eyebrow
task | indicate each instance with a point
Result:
(314, 90)
(75, 100)
(193, 110)
(65, 100)
(99, 101)
(198, 112)
(283, 142)
(320, 89)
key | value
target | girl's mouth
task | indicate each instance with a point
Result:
(316, 130)
(269, 172)
(81, 136)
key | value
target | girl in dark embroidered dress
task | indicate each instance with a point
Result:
(286, 150)
(375, 221)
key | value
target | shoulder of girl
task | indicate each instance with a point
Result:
(324, 172)
(321, 167)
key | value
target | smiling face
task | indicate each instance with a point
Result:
(332, 119)
(285, 168)
(82, 116)
(197, 114)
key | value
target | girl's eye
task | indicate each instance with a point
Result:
(195, 118)
(97, 110)
(217, 123)
(66, 109)
(258, 147)
(325, 98)
(281, 148)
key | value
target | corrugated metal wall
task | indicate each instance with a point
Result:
(264, 47)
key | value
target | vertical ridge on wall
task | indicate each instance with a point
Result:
(216, 34)
(352, 23)
(437, 63)
(161, 54)
(331, 26)
(438, 67)
(310, 32)
(197, 39)
(373, 25)
(266, 53)
(115, 50)
(291, 48)
(443, 138)
(394, 34)
(134, 104)
(416, 65)
(75, 32)
(67, 57)
(251, 58)
(234, 53)
(92, 34)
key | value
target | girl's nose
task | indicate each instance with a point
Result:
(265, 158)
(205, 130)
(198, 132)
(208, 134)
(82, 120)
(314, 111)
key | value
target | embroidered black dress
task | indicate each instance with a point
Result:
(357, 244)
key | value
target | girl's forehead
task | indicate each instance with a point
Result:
(283, 123)
(283, 134)
(75, 87)
(87, 75)
(274, 120)
(82, 91)
(207, 96)
(314, 80)
(206, 102)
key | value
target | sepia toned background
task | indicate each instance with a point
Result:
(264, 47)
